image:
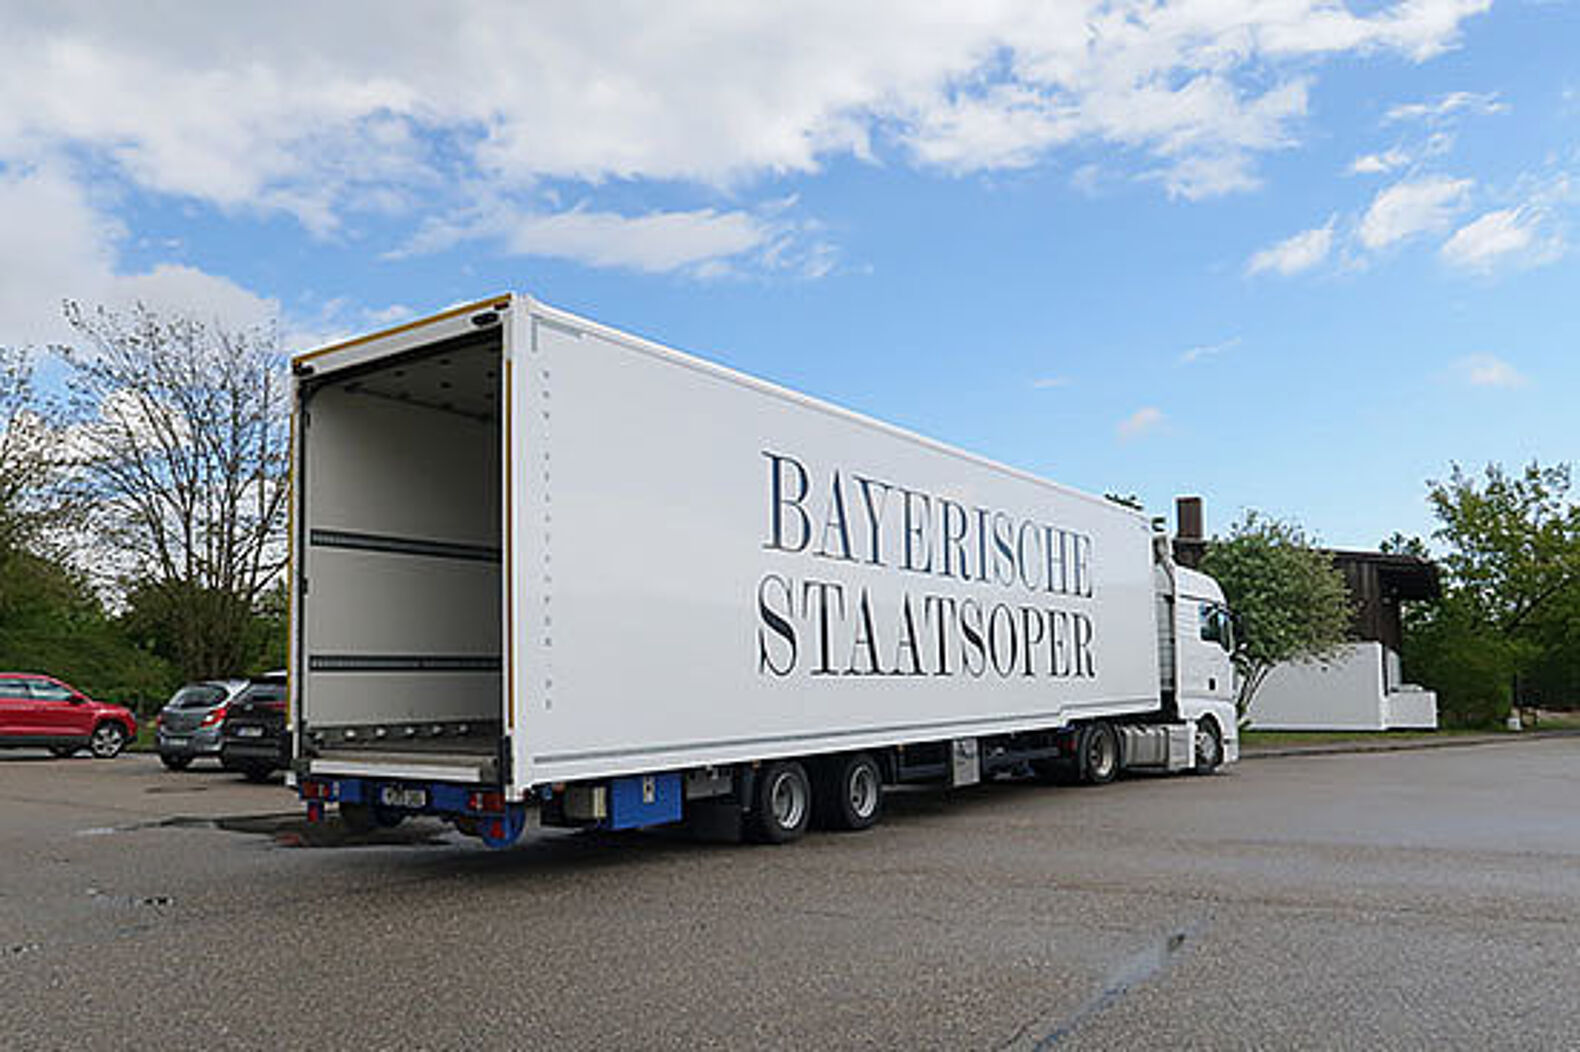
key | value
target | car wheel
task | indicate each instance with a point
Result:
(107, 740)
(781, 803)
(174, 762)
(257, 772)
(1209, 745)
(851, 792)
(65, 752)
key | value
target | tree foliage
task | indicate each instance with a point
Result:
(1513, 541)
(180, 446)
(1510, 612)
(1292, 604)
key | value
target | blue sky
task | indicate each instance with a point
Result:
(1290, 255)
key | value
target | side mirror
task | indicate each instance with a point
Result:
(80, 699)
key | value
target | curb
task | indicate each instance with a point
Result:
(1265, 752)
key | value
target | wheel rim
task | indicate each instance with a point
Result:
(787, 799)
(863, 789)
(1100, 755)
(1206, 747)
(106, 740)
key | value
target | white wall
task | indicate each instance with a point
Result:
(1348, 693)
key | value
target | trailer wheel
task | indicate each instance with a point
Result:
(850, 793)
(1097, 753)
(781, 803)
(1209, 745)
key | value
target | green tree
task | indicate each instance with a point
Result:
(1292, 603)
(1513, 542)
(1511, 604)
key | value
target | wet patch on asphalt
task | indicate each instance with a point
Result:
(292, 830)
(1133, 971)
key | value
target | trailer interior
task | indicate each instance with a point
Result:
(400, 651)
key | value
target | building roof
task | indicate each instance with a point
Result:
(1398, 576)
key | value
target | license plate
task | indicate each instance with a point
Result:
(397, 796)
(177, 743)
(249, 732)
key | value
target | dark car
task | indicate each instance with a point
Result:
(188, 725)
(253, 740)
(38, 711)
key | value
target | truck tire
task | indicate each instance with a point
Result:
(1209, 745)
(850, 792)
(1097, 753)
(781, 803)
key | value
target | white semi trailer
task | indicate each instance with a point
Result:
(541, 566)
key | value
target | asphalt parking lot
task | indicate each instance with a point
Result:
(1398, 900)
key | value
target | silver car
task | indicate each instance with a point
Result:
(190, 724)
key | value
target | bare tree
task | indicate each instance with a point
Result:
(179, 446)
(35, 507)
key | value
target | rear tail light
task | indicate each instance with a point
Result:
(272, 706)
(312, 789)
(487, 802)
(214, 717)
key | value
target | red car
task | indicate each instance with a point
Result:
(42, 712)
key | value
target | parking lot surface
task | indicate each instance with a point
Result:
(1398, 900)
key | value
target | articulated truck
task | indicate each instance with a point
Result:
(544, 568)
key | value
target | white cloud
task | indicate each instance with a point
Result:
(1413, 207)
(1486, 370)
(1294, 254)
(1048, 383)
(325, 110)
(1510, 235)
(704, 242)
(1445, 106)
(1198, 354)
(57, 245)
(1143, 421)
(1380, 163)
(655, 242)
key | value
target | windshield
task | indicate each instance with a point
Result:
(198, 696)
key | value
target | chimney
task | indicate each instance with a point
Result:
(1190, 541)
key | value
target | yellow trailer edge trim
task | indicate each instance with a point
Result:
(499, 302)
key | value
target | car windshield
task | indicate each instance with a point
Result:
(198, 696)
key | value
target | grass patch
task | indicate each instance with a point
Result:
(144, 742)
(1254, 738)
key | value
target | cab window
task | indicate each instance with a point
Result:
(1217, 626)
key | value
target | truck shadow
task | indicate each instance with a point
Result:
(548, 853)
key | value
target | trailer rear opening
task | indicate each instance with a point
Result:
(400, 560)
